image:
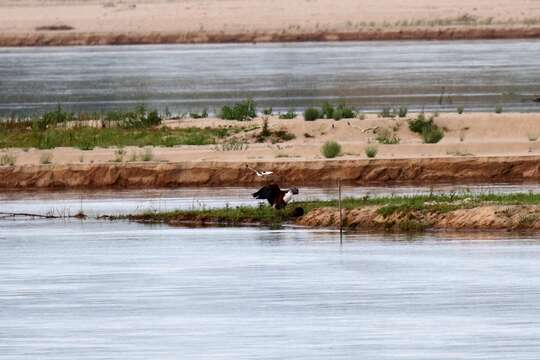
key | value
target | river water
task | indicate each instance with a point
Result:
(120, 290)
(476, 74)
(92, 290)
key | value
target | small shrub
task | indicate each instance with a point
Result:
(53, 118)
(371, 151)
(327, 110)
(460, 110)
(532, 137)
(135, 119)
(331, 149)
(337, 114)
(498, 110)
(241, 111)
(361, 116)
(345, 112)
(265, 132)
(432, 135)
(402, 111)
(202, 115)
(267, 111)
(291, 114)
(387, 113)
(232, 144)
(417, 125)
(284, 135)
(311, 114)
(387, 136)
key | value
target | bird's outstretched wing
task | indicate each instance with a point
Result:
(268, 192)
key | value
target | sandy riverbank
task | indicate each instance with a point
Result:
(477, 147)
(32, 22)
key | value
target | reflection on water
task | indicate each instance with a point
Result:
(477, 74)
(113, 202)
(91, 290)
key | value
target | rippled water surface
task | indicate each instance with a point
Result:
(476, 74)
(91, 290)
(119, 290)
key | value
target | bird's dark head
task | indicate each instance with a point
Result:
(294, 190)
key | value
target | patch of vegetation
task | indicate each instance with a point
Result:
(402, 111)
(429, 131)
(225, 216)
(387, 136)
(387, 112)
(329, 111)
(87, 138)
(371, 151)
(331, 149)
(290, 114)
(138, 118)
(232, 144)
(460, 110)
(267, 111)
(311, 114)
(532, 136)
(274, 136)
(432, 135)
(499, 110)
(406, 206)
(241, 111)
(202, 115)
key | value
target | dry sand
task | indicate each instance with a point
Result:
(466, 135)
(476, 147)
(160, 21)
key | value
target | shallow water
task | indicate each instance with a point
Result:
(115, 202)
(113, 290)
(369, 75)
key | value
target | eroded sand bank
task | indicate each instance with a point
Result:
(479, 147)
(324, 172)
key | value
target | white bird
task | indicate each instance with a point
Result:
(259, 172)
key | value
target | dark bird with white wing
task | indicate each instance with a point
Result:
(276, 197)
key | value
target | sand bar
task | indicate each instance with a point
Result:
(57, 22)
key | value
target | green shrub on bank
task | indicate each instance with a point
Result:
(371, 151)
(328, 111)
(432, 135)
(311, 114)
(241, 111)
(87, 138)
(429, 131)
(331, 149)
(133, 119)
(196, 115)
(290, 114)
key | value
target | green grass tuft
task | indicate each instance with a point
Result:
(331, 149)
(241, 111)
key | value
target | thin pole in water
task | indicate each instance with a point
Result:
(340, 213)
